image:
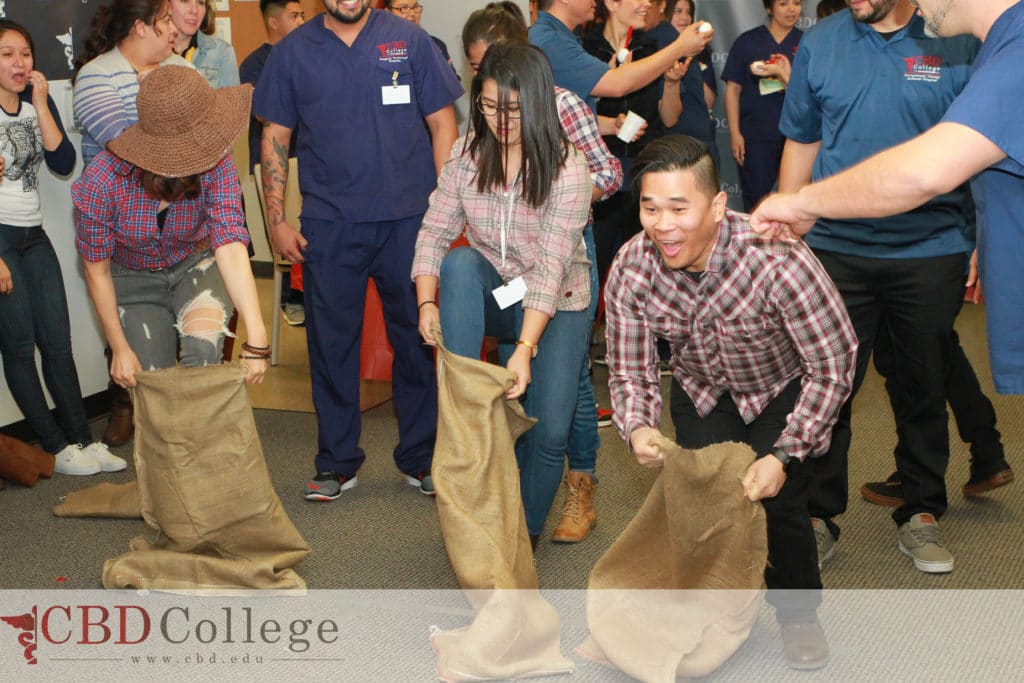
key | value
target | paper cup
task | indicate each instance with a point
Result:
(630, 127)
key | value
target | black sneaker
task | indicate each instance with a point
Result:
(888, 493)
(991, 476)
(327, 486)
(423, 481)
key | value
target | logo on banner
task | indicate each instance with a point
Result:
(130, 626)
(926, 68)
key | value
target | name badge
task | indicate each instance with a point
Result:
(511, 293)
(767, 86)
(395, 94)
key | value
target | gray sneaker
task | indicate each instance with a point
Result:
(919, 539)
(327, 486)
(824, 539)
(294, 314)
(424, 482)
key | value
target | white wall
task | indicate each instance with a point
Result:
(87, 341)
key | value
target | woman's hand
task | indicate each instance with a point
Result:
(677, 71)
(40, 89)
(519, 365)
(123, 366)
(777, 66)
(429, 317)
(739, 147)
(6, 281)
(257, 369)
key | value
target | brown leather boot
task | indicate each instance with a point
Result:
(578, 513)
(121, 426)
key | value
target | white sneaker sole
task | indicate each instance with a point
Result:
(113, 465)
(78, 471)
(928, 567)
(416, 483)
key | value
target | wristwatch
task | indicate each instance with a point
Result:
(789, 463)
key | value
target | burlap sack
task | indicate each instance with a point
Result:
(204, 487)
(515, 632)
(679, 590)
(102, 500)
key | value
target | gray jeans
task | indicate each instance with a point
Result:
(185, 303)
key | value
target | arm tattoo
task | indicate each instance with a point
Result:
(274, 176)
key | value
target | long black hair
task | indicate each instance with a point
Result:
(497, 21)
(112, 23)
(525, 70)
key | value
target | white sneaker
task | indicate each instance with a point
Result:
(73, 460)
(107, 460)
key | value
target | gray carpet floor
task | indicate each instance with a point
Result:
(384, 534)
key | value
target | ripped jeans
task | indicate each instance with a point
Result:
(186, 302)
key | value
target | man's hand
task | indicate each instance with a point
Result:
(288, 241)
(621, 118)
(642, 441)
(779, 216)
(6, 281)
(763, 479)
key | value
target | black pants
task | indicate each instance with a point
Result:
(972, 410)
(792, 577)
(918, 300)
(616, 219)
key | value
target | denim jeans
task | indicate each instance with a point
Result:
(468, 313)
(35, 314)
(152, 304)
(583, 438)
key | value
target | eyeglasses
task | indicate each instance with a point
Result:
(407, 9)
(489, 108)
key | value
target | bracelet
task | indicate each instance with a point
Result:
(244, 357)
(425, 303)
(255, 349)
(529, 345)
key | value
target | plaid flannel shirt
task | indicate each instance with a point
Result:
(580, 126)
(116, 219)
(763, 313)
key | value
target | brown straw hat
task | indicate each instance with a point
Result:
(185, 126)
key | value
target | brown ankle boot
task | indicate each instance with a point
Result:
(121, 426)
(578, 513)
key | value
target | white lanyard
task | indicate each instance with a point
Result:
(505, 221)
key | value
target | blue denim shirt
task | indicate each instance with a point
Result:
(216, 60)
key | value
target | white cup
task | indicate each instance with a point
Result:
(630, 127)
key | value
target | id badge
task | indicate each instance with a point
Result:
(767, 86)
(511, 293)
(395, 94)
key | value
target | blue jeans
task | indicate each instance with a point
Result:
(468, 313)
(153, 305)
(35, 314)
(583, 438)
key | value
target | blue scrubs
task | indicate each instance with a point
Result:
(759, 114)
(914, 80)
(572, 67)
(366, 171)
(990, 104)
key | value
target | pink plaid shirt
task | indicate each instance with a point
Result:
(580, 126)
(543, 244)
(763, 313)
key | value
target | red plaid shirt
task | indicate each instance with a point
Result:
(763, 313)
(580, 126)
(116, 219)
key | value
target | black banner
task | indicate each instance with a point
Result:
(58, 27)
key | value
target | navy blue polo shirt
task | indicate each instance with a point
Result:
(858, 94)
(989, 105)
(360, 160)
(571, 66)
(664, 34)
(759, 114)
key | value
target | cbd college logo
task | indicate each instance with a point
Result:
(26, 623)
